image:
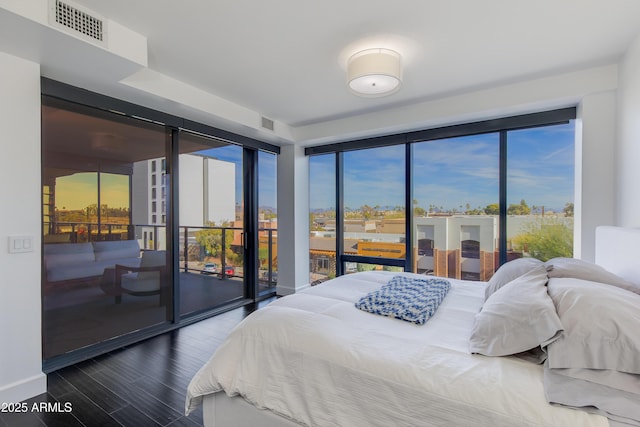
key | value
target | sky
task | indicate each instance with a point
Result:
(448, 173)
(78, 191)
(451, 173)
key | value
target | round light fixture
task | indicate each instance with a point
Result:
(374, 72)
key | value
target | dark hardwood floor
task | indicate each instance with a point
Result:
(140, 385)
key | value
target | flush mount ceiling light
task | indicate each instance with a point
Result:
(374, 72)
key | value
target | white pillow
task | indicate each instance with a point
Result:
(518, 317)
(585, 270)
(509, 271)
(601, 325)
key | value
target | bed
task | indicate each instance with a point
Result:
(315, 359)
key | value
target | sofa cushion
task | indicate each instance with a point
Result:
(62, 254)
(73, 271)
(146, 281)
(152, 259)
(133, 282)
(78, 260)
(116, 249)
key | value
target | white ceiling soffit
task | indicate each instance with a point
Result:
(233, 64)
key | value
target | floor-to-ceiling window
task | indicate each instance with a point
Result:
(322, 218)
(453, 202)
(373, 211)
(267, 222)
(540, 193)
(455, 180)
(144, 222)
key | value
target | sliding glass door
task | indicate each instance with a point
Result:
(148, 221)
(106, 266)
(211, 231)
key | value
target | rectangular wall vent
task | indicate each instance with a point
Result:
(67, 16)
(267, 123)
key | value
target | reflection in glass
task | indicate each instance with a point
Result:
(75, 209)
(455, 206)
(98, 281)
(114, 206)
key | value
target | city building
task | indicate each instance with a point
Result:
(208, 197)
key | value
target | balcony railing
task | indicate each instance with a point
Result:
(222, 246)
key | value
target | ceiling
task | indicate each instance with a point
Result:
(286, 59)
(81, 139)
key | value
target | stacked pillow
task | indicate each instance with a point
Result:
(585, 319)
(579, 269)
(517, 316)
(509, 271)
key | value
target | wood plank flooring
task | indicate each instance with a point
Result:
(138, 386)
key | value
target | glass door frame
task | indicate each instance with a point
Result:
(173, 126)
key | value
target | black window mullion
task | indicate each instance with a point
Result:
(543, 118)
(409, 222)
(392, 262)
(339, 214)
(502, 237)
(250, 240)
(173, 222)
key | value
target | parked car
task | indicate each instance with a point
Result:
(229, 270)
(209, 268)
(265, 275)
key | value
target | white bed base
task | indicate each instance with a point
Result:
(616, 250)
(220, 410)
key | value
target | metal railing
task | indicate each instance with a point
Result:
(198, 245)
(215, 245)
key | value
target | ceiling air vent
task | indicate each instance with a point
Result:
(267, 123)
(78, 21)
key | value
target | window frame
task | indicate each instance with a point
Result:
(501, 126)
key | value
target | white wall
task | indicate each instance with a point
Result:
(293, 220)
(20, 322)
(595, 170)
(628, 156)
(522, 97)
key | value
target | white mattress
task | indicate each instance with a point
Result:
(316, 359)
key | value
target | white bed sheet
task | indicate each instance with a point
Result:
(314, 358)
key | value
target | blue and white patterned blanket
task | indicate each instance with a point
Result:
(406, 298)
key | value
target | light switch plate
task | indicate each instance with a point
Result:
(19, 244)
